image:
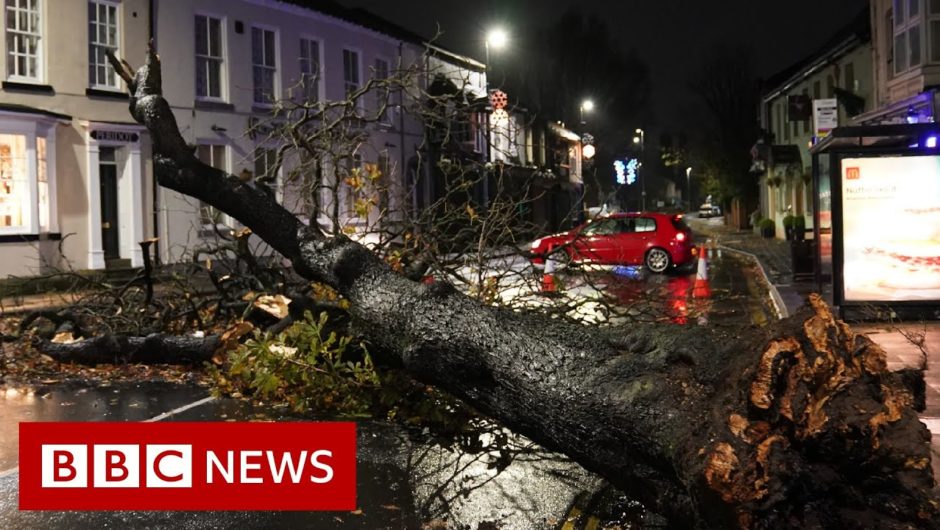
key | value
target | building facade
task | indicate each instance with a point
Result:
(74, 171)
(76, 183)
(841, 70)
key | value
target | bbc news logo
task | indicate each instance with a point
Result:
(852, 173)
(188, 466)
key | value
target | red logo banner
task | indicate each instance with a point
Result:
(188, 466)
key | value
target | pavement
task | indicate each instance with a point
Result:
(913, 344)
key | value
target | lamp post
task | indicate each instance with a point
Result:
(586, 106)
(688, 180)
(640, 139)
(497, 38)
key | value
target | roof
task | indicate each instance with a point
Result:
(23, 109)
(858, 31)
(370, 20)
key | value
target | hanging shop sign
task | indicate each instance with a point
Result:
(825, 116)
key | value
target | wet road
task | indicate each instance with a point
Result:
(405, 480)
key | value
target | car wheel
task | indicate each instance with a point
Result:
(658, 260)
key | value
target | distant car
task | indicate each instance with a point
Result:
(709, 210)
(658, 241)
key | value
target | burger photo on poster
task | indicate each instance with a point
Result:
(909, 258)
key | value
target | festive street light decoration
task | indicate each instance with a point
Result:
(588, 151)
(499, 100)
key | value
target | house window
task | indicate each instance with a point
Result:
(211, 155)
(102, 37)
(17, 202)
(933, 15)
(351, 167)
(850, 81)
(24, 40)
(907, 39)
(350, 71)
(267, 170)
(310, 69)
(381, 91)
(806, 121)
(209, 57)
(264, 64)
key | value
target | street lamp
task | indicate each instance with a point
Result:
(640, 139)
(688, 179)
(497, 38)
(586, 106)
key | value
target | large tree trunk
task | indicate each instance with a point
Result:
(796, 425)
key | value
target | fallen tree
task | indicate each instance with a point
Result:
(799, 424)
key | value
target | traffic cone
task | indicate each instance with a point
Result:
(701, 288)
(548, 277)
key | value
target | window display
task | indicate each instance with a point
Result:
(14, 182)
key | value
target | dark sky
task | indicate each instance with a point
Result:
(670, 35)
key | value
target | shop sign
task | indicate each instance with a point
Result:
(104, 135)
(825, 116)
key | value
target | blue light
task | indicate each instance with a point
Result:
(931, 142)
(631, 171)
(620, 168)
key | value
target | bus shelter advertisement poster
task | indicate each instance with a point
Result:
(891, 229)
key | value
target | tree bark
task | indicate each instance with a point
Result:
(795, 425)
(115, 349)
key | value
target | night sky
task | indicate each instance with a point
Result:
(670, 35)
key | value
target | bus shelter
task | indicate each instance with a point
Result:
(876, 206)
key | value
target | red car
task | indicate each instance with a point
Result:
(659, 241)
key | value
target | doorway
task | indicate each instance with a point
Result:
(108, 175)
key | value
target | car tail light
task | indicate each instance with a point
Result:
(680, 237)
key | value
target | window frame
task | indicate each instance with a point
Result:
(905, 26)
(225, 221)
(276, 88)
(320, 78)
(32, 131)
(278, 178)
(385, 118)
(118, 84)
(40, 76)
(932, 18)
(359, 74)
(223, 62)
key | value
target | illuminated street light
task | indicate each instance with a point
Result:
(688, 179)
(640, 139)
(586, 106)
(588, 151)
(497, 38)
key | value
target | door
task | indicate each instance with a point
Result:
(107, 176)
(594, 243)
(642, 238)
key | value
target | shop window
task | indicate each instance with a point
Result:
(18, 204)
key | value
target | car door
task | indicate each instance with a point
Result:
(643, 238)
(594, 243)
(635, 238)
